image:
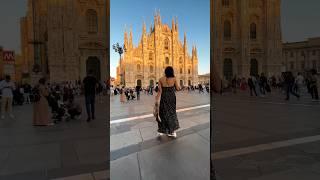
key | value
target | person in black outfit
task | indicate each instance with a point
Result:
(90, 85)
(138, 88)
(289, 83)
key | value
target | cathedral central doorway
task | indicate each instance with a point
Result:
(254, 67)
(139, 83)
(227, 69)
(93, 63)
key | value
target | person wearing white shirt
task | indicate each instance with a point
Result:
(6, 87)
(299, 82)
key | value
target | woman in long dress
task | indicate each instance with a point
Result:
(167, 110)
(41, 116)
(122, 95)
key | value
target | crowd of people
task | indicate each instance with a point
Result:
(133, 93)
(287, 83)
(59, 98)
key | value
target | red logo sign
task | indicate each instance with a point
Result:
(8, 56)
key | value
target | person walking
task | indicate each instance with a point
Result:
(314, 85)
(299, 82)
(138, 89)
(167, 109)
(289, 82)
(90, 85)
(41, 115)
(122, 95)
(7, 87)
(252, 86)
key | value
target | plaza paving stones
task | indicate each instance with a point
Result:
(241, 121)
(43, 153)
(138, 153)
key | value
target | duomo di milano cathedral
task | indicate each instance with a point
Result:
(144, 64)
(246, 37)
(65, 39)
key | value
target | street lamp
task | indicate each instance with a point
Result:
(120, 50)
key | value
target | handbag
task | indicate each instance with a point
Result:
(156, 109)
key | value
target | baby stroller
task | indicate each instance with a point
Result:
(73, 109)
(57, 107)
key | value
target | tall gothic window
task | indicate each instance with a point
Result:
(166, 44)
(225, 3)
(180, 60)
(150, 56)
(189, 71)
(253, 31)
(138, 67)
(92, 21)
(167, 61)
(181, 71)
(227, 30)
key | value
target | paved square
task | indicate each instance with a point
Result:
(66, 149)
(138, 153)
(261, 138)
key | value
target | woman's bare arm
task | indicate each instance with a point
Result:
(176, 85)
(159, 90)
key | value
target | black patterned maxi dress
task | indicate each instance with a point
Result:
(167, 111)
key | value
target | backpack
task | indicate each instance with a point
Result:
(36, 94)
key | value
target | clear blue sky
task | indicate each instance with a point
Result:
(299, 21)
(193, 18)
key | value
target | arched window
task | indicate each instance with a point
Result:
(180, 60)
(92, 21)
(151, 69)
(167, 61)
(181, 71)
(189, 71)
(150, 56)
(227, 30)
(225, 3)
(166, 44)
(253, 31)
(138, 67)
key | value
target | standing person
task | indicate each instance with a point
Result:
(289, 82)
(41, 115)
(122, 95)
(7, 87)
(90, 85)
(138, 89)
(314, 85)
(167, 109)
(251, 85)
(27, 92)
(299, 83)
(263, 84)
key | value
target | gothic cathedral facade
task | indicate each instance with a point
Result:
(144, 64)
(246, 37)
(68, 38)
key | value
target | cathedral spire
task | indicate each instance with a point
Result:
(173, 25)
(195, 51)
(125, 37)
(176, 24)
(144, 29)
(130, 38)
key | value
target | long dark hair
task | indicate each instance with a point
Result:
(169, 72)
